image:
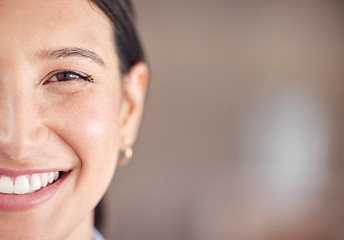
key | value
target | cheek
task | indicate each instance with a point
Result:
(88, 123)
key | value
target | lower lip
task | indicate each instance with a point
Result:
(18, 202)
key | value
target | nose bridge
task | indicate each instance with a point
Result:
(21, 131)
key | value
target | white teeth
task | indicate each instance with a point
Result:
(21, 185)
(56, 175)
(6, 185)
(35, 182)
(44, 179)
(51, 177)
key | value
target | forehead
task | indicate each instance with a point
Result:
(28, 25)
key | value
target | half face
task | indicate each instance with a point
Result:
(60, 104)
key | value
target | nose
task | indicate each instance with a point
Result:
(21, 130)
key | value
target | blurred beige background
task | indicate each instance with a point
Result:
(242, 134)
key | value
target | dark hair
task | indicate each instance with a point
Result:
(122, 16)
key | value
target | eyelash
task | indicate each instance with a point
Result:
(87, 78)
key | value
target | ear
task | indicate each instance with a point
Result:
(134, 92)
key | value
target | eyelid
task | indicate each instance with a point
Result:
(82, 76)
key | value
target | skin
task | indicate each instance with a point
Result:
(73, 125)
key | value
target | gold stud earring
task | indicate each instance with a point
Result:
(126, 154)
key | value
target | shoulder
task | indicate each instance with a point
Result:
(96, 235)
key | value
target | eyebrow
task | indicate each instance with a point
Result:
(72, 52)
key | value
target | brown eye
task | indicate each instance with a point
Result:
(65, 76)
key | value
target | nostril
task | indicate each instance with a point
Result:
(17, 146)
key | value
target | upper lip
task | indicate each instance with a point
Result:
(15, 173)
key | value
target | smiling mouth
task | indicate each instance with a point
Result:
(26, 184)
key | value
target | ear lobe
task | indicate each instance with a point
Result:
(134, 92)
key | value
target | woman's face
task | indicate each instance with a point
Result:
(61, 108)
